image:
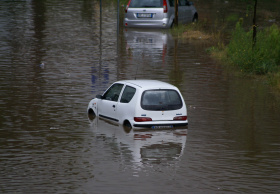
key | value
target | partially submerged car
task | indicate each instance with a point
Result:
(141, 103)
(158, 13)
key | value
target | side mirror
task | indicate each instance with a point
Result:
(99, 96)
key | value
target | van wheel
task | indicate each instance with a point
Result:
(172, 25)
(195, 18)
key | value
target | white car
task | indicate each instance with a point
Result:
(141, 103)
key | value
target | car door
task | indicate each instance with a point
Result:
(181, 12)
(126, 108)
(185, 11)
(108, 104)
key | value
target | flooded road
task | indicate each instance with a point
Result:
(55, 56)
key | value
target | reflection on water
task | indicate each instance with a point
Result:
(49, 146)
(142, 146)
(147, 43)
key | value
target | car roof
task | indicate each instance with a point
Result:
(148, 84)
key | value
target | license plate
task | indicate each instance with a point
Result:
(163, 126)
(144, 15)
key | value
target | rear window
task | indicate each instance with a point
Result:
(146, 3)
(161, 100)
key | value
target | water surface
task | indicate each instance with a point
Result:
(56, 56)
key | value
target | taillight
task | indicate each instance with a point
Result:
(164, 6)
(180, 118)
(142, 119)
(127, 6)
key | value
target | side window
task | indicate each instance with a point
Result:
(113, 92)
(182, 2)
(171, 3)
(128, 94)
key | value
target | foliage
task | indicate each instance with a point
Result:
(196, 31)
(178, 30)
(124, 2)
(263, 58)
(232, 17)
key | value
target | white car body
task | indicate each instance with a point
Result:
(167, 110)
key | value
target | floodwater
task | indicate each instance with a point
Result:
(57, 55)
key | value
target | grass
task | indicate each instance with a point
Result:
(195, 34)
(200, 31)
(240, 56)
(191, 31)
(262, 59)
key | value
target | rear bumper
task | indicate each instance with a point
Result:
(164, 23)
(150, 125)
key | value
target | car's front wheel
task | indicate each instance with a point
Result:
(91, 114)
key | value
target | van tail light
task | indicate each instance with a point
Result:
(127, 6)
(164, 6)
(180, 118)
(142, 119)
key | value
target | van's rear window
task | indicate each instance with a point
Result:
(146, 3)
(161, 100)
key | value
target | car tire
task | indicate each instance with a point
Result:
(91, 114)
(172, 24)
(127, 124)
(195, 18)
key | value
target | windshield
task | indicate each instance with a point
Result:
(146, 3)
(161, 100)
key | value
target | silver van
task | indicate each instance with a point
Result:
(158, 13)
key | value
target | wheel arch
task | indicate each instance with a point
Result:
(91, 112)
(171, 21)
(127, 123)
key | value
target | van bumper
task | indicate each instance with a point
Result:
(147, 23)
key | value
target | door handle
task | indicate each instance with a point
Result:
(114, 106)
